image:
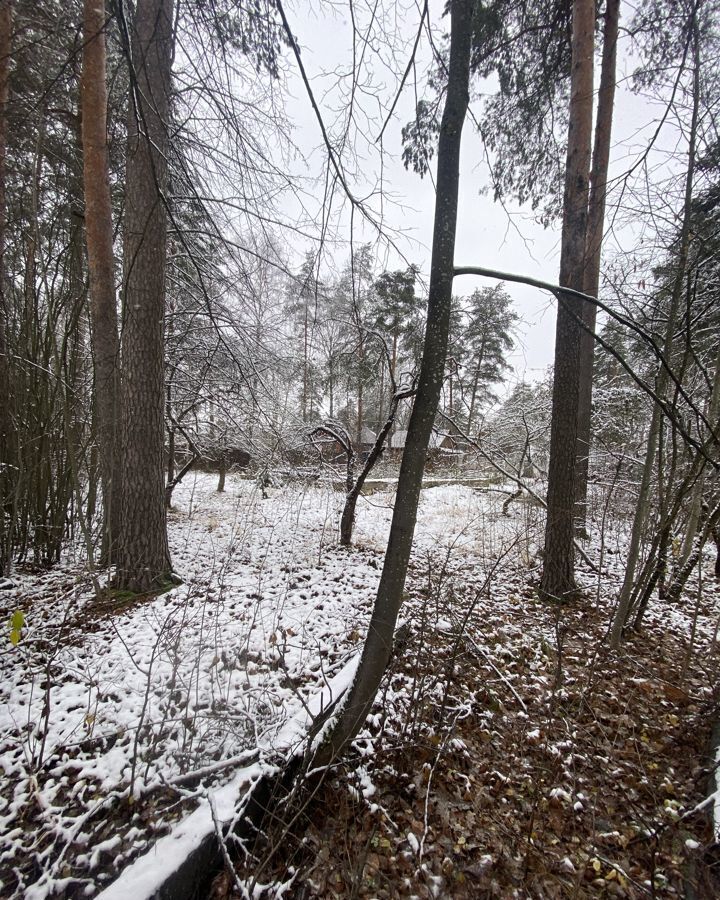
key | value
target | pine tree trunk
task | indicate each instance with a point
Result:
(305, 366)
(170, 467)
(475, 385)
(595, 227)
(144, 557)
(101, 268)
(360, 390)
(8, 456)
(558, 578)
(379, 640)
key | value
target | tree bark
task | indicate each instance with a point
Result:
(595, 228)
(7, 428)
(558, 577)
(379, 640)
(101, 268)
(144, 556)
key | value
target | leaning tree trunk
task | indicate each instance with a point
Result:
(101, 268)
(683, 573)
(8, 455)
(144, 558)
(347, 520)
(558, 577)
(378, 643)
(697, 495)
(694, 541)
(595, 227)
(662, 378)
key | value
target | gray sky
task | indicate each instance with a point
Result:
(487, 234)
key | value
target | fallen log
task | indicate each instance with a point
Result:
(182, 864)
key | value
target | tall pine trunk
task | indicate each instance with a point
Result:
(144, 557)
(476, 383)
(8, 455)
(101, 267)
(595, 228)
(558, 578)
(360, 387)
(379, 640)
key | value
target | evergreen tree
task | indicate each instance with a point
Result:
(395, 309)
(302, 305)
(488, 339)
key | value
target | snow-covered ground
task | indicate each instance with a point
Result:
(106, 701)
(120, 714)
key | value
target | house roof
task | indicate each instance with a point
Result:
(397, 441)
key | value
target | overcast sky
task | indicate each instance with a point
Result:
(487, 235)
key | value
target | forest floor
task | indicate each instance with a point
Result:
(508, 755)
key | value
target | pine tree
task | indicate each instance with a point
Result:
(7, 425)
(488, 340)
(144, 557)
(395, 308)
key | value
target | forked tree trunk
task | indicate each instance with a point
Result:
(101, 267)
(144, 557)
(379, 640)
(8, 456)
(595, 228)
(558, 577)
(347, 520)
